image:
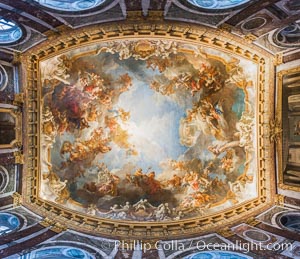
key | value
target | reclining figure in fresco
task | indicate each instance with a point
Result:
(56, 186)
(162, 212)
(92, 209)
(142, 204)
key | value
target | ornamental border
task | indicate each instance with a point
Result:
(208, 37)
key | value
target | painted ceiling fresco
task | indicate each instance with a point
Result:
(148, 130)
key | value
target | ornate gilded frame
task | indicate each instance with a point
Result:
(218, 39)
(279, 126)
(17, 115)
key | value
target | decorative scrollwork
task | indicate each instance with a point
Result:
(278, 59)
(252, 221)
(17, 199)
(250, 38)
(19, 157)
(279, 199)
(225, 232)
(224, 27)
(58, 228)
(275, 130)
(18, 99)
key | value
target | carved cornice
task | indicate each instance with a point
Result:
(19, 157)
(252, 221)
(18, 99)
(17, 199)
(225, 27)
(250, 38)
(46, 222)
(225, 232)
(275, 130)
(278, 59)
(58, 228)
(279, 199)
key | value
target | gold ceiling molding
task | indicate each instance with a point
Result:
(225, 232)
(278, 59)
(279, 199)
(19, 157)
(18, 99)
(252, 221)
(46, 222)
(54, 226)
(202, 36)
(225, 27)
(275, 132)
(17, 199)
(250, 38)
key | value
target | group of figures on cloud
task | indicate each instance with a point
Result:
(208, 79)
(207, 117)
(109, 184)
(197, 191)
(82, 150)
(78, 102)
(85, 110)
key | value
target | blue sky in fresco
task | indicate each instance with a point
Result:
(153, 126)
